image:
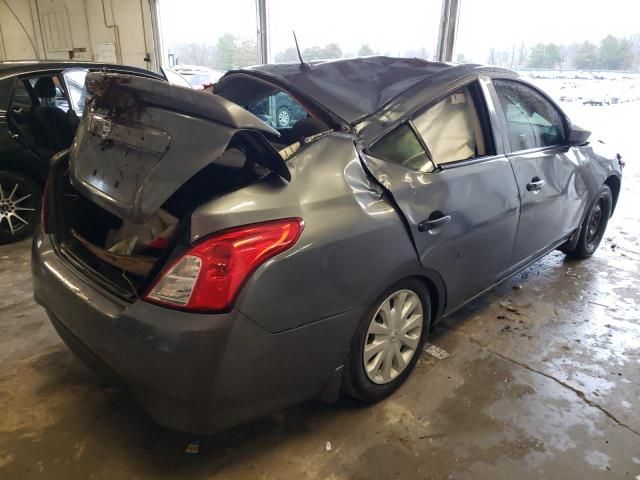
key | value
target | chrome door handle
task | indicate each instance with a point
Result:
(433, 223)
(535, 184)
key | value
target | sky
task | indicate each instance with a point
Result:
(394, 27)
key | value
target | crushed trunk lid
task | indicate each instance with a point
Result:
(141, 139)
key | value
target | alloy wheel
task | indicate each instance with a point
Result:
(393, 336)
(284, 117)
(17, 208)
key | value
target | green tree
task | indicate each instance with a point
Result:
(365, 51)
(332, 50)
(536, 57)
(288, 55)
(545, 56)
(615, 54)
(225, 52)
(322, 53)
(553, 56)
(586, 57)
(245, 54)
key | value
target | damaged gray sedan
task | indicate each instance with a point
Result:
(223, 269)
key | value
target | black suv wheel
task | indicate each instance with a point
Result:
(20, 199)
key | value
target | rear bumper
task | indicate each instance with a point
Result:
(191, 372)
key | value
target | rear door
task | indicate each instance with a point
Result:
(455, 189)
(551, 189)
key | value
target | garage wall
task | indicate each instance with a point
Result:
(116, 31)
(14, 42)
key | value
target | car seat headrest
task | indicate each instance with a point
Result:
(45, 88)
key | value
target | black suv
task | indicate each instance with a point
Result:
(40, 106)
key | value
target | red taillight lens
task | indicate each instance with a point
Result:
(209, 275)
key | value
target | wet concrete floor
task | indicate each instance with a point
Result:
(542, 381)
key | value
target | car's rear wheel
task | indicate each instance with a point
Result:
(20, 199)
(388, 341)
(594, 225)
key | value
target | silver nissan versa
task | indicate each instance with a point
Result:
(223, 266)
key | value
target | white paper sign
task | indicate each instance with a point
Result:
(106, 52)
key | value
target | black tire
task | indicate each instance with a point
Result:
(13, 215)
(356, 382)
(593, 225)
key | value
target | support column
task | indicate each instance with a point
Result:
(448, 30)
(263, 34)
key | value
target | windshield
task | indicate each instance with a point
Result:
(175, 78)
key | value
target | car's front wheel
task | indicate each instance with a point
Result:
(594, 225)
(20, 199)
(388, 341)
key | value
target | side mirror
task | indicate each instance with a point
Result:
(578, 136)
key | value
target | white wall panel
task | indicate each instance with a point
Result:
(64, 29)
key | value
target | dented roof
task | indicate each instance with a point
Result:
(351, 88)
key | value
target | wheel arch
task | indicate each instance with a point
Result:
(614, 183)
(436, 288)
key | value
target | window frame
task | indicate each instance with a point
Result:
(484, 104)
(503, 117)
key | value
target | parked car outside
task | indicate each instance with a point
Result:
(198, 76)
(40, 106)
(274, 265)
(284, 112)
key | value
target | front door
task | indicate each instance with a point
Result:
(459, 198)
(546, 170)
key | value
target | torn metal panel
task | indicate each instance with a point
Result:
(142, 139)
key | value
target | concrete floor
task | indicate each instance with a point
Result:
(548, 388)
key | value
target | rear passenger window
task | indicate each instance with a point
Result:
(401, 146)
(532, 121)
(451, 129)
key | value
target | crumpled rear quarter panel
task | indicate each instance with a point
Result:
(353, 246)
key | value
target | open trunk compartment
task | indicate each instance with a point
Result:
(84, 232)
(145, 147)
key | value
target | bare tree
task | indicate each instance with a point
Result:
(195, 53)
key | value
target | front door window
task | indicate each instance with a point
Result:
(532, 121)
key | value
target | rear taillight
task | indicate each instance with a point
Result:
(210, 274)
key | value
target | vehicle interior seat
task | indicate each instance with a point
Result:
(54, 120)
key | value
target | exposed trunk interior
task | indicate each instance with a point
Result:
(83, 227)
